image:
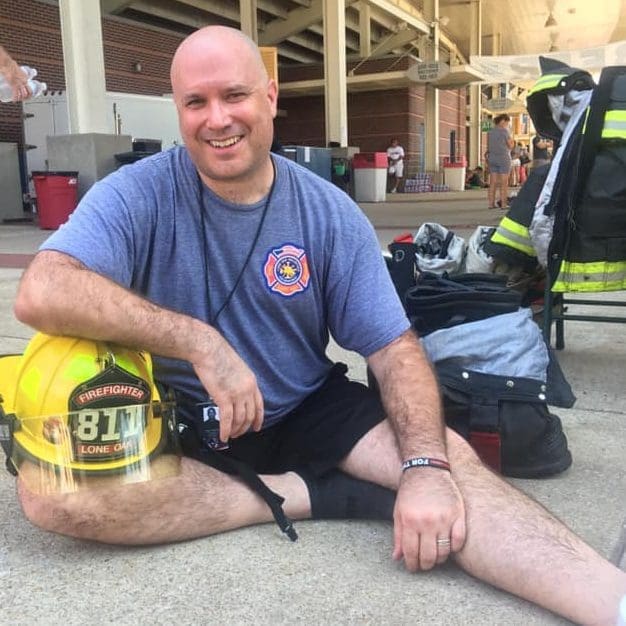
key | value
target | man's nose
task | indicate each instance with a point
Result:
(217, 114)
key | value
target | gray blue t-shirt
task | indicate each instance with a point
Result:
(316, 268)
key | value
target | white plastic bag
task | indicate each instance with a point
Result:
(476, 259)
(439, 250)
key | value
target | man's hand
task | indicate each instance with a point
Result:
(428, 508)
(19, 83)
(14, 75)
(233, 387)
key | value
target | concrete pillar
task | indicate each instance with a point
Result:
(335, 84)
(365, 30)
(431, 110)
(83, 58)
(496, 44)
(496, 49)
(475, 150)
(247, 16)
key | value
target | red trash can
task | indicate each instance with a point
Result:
(370, 176)
(56, 197)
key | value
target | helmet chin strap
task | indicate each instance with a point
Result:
(8, 424)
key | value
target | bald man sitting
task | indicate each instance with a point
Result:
(232, 267)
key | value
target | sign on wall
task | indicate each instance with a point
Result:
(499, 104)
(428, 72)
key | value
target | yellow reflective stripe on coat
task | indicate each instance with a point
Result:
(594, 276)
(614, 125)
(547, 82)
(514, 235)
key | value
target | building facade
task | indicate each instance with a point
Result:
(137, 60)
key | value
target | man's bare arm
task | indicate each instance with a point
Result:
(59, 295)
(411, 397)
(429, 506)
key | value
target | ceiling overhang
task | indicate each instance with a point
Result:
(376, 28)
(459, 76)
(361, 82)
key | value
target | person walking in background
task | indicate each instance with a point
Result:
(499, 145)
(524, 160)
(395, 157)
(541, 155)
(14, 76)
(514, 176)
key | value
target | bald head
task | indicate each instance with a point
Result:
(210, 41)
(226, 106)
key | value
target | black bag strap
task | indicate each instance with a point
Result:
(192, 447)
(7, 428)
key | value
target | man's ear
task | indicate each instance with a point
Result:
(272, 96)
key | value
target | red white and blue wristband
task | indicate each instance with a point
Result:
(425, 461)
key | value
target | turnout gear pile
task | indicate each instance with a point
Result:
(570, 215)
(495, 371)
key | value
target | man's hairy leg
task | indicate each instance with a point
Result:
(512, 541)
(197, 502)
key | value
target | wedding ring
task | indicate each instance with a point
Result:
(443, 542)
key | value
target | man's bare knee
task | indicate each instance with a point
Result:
(49, 512)
(90, 506)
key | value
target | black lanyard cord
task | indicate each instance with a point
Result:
(211, 457)
(228, 298)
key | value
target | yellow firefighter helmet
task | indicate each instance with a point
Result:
(84, 408)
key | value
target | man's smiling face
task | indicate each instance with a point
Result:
(226, 105)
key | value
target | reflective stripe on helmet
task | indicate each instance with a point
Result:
(550, 81)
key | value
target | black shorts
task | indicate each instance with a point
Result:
(317, 434)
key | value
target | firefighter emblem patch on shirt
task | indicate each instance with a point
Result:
(286, 270)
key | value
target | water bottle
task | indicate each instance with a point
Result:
(30, 72)
(36, 87)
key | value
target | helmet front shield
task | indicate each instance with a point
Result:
(92, 448)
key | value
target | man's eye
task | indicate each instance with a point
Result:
(193, 103)
(236, 96)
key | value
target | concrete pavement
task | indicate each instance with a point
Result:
(338, 572)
